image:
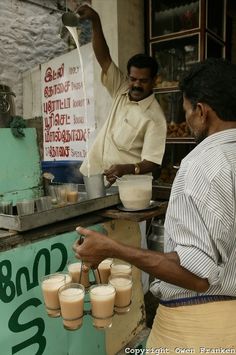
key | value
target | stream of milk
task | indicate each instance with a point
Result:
(74, 34)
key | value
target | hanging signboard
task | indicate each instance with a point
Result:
(68, 105)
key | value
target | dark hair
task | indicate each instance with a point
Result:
(213, 82)
(143, 61)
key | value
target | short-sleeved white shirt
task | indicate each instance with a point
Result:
(133, 131)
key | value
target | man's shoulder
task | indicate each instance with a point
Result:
(155, 111)
(114, 80)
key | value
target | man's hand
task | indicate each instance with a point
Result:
(94, 248)
(118, 170)
(86, 12)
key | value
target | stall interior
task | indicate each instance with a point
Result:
(25, 201)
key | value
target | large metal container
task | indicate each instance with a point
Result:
(7, 106)
(94, 185)
(155, 240)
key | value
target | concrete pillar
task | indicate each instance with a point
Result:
(130, 29)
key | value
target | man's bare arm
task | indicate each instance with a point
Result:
(166, 267)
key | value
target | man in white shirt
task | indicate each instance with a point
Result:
(132, 140)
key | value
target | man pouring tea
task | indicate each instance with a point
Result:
(132, 139)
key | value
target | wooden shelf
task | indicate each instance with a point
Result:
(180, 140)
(161, 90)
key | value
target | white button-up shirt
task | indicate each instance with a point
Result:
(132, 132)
(200, 222)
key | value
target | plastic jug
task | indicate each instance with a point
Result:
(135, 191)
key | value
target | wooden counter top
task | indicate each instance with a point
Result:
(115, 213)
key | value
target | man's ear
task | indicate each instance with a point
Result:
(155, 81)
(203, 110)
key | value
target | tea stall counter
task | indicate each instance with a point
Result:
(28, 255)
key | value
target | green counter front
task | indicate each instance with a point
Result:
(25, 327)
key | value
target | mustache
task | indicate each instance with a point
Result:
(137, 88)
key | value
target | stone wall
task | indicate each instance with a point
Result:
(29, 36)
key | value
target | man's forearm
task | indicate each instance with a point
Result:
(100, 47)
(119, 170)
(148, 167)
(166, 267)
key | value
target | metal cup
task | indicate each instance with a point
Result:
(43, 203)
(70, 19)
(94, 185)
(6, 207)
(25, 207)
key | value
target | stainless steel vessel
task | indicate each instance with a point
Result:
(155, 240)
(7, 106)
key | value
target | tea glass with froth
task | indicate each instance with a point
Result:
(68, 278)
(78, 273)
(102, 299)
(123, 286)
(121, 267)
(71, 298)
(50, 286)
(103, 271)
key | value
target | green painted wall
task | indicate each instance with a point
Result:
(20, 170)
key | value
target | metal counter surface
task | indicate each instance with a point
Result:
(15, 230)
(38, 219)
